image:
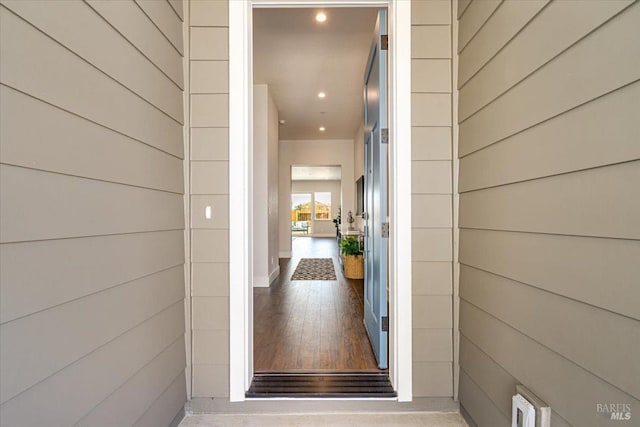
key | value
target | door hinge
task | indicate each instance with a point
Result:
(385, 324)
(385, 229)
(384, 135)
(384, 42)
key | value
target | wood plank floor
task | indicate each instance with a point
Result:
(311, 326)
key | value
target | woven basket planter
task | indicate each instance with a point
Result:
(353, 266)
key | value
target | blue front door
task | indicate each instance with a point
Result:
(375, 241)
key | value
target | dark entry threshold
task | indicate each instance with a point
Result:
(305, 385)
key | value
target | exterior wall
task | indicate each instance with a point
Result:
(328, 152)
(92, 213)
(432, 198)
(549, 207)
(209, 143)
(322, 228)
(265, 187)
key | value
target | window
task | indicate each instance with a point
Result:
(322, 206)
(300, 213)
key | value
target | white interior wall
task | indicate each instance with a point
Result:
(321, 228)
(265, 187)
(272, 186)
(334, 152)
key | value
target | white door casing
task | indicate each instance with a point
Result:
(240, 192)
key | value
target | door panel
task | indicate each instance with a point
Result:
(375, 251)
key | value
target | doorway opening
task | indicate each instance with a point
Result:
(326, 312)
(317, 318)
(241, 337)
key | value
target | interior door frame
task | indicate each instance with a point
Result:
(240, 191)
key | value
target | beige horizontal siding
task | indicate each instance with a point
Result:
(572, 141)
(47, 70)
(431, 278)
(130, 402)
(475, 16)
(209, 177)
(44, 138)
(130, 21)
(433, 379)
(572, 391)
(548, 209)
(431, 210)
(550, 328)
(209, 146)
(494, 400)
(565, 260)
(500, 27)
(462, 7)
(65, 397)
(539, 42)
(480, 369)
(432, 345)
(92, 215)
(209, 13)
(431, 12)
(37, 275)
(163, 16)
(572, 79)
(219, 203)
(201, 82)
(209, 43)
(40, 355)
(431, 200)
(178, 8)
(476, 402)
(78, 207)
(594, 202)
(167, 404)
(210, 279)
(431, 143)
(109, 51)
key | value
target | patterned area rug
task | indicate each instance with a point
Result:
(314, 269)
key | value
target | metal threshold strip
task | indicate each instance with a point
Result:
(318, 385)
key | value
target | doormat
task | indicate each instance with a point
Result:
(314, 269)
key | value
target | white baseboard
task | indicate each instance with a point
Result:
(284, 255)
(260, 282)
(266, 281)
(274, 274)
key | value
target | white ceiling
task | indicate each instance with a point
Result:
(299, 57)
(316, 173)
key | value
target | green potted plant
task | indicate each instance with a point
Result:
(352, 257)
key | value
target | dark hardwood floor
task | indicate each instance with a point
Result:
(311, 326)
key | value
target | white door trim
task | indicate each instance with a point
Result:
(240, 192)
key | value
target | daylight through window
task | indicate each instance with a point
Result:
(322, 205)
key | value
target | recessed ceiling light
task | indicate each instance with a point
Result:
(321, 94)
(282, 122)
(321, 17)
(321, 129)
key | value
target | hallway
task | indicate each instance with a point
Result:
(311, 325)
